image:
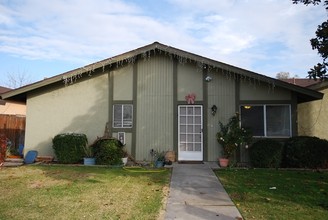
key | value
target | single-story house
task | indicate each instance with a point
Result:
(159, 97)
(8, 107)
(312, 116)
(12, 119)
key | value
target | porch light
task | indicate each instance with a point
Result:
(208, 79)
(214, 109)
(247, 107)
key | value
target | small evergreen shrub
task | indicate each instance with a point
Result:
(108, 152)
(306, 152)
(266, 153)
(69, 147)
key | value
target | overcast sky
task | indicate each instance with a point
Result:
(45, 38)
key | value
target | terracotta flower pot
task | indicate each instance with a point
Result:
(223, 162)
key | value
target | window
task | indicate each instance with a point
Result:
(267, 120)
(122, 116)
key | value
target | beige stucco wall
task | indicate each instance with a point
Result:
(81, 107)
(190, 80)
(253, 90)
(13, 108)
(312, 117)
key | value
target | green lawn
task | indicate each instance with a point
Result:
(80, 192)
(277, 194)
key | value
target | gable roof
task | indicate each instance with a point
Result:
(303, 94)
(4, 89)
(301, 81)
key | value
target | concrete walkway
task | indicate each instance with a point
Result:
(196, 193)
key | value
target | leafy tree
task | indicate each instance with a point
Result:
(320, 43)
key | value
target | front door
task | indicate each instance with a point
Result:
(190, 136)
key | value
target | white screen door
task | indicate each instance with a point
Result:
(190, 136)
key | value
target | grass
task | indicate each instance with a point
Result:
(67, 192)
(277, 194)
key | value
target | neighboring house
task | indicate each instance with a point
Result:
(312, 116)
(9, 107)
(159, 97)
(12, 119)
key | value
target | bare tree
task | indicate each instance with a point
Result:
(17, 79)
(283, 75)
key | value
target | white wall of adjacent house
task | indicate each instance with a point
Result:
(81, 107)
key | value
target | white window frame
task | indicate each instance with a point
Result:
(265, 118)
(122, 116)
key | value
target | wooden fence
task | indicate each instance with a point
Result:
(13, 127)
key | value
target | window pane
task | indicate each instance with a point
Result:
(127, 110)
(117, 118)
(183, 120)
(198, 137)
(198, 147)
(190, 147)
(198, 120)
(122, 116)
(190, 120)
(278, 120)
(252, 117)
(198, 110)
(189, 138)
(183, 147)
(127, 116)
(198, 128)
(117, 112)
(183, 111)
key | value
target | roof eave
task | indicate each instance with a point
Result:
(22, 91)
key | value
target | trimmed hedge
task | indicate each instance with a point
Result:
(306, 152)
(68, 147)
(108, 152)
(266, 153)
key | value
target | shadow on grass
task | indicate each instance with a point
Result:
(95, 174)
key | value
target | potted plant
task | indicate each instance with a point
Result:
(89, 158)
(158, 157)
(231, 136)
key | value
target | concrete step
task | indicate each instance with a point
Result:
(13, 162)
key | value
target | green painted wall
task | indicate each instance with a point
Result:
(154, 116)
(221, 92)
(190, 80)
(250, 90)
(122, 85)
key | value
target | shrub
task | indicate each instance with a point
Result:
(306, 152)
(266, 153)
(69, 147)
(108, 152)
